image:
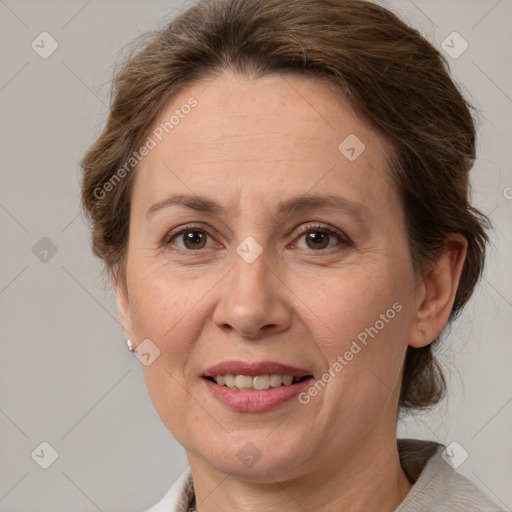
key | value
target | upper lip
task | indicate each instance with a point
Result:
(253, 369)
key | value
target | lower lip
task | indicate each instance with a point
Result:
(256, 401)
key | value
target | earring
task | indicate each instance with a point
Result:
(130, 345)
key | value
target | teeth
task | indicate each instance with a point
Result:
(243, 382)
(276, 380)
(260, 382)
(229, 380)
(287, 380)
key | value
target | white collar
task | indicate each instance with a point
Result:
(179, 497)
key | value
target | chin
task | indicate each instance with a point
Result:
(252, 456)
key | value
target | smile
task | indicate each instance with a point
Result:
(256, 383)
(255, 387)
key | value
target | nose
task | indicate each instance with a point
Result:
(253, 300)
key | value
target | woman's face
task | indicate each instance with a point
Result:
(292, 251)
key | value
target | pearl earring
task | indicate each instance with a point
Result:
(130, 345)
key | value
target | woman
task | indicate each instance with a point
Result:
(280, 196)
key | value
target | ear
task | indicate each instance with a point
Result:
(123, 306)
(437, 292)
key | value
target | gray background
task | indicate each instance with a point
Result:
(65, 374)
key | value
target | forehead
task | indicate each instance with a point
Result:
(260, 134)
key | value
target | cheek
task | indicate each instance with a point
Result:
(348, 304)
(162, 300)
(165, 310)
(360, 327)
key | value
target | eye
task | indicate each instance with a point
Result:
(318, 237)
(191, 237)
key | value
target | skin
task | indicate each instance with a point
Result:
(250, 144)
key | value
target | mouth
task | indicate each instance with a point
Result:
(255, 386)
(257, 383)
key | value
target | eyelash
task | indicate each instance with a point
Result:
(310, 228)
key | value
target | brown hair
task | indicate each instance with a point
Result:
(389, 72)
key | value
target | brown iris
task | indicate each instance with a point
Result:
(194, 239)
(318, 238)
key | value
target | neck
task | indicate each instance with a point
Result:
(369, 478)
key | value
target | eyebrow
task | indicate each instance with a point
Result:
(304, 202)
